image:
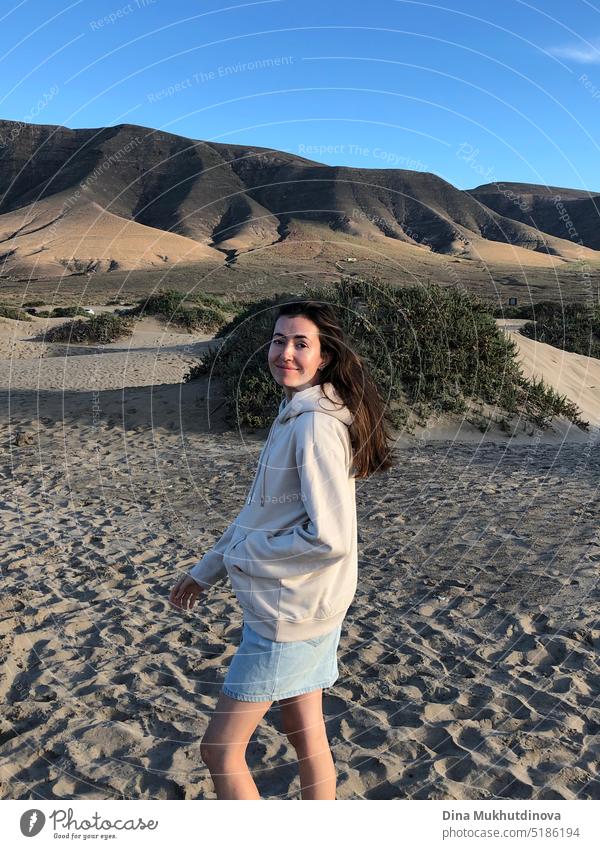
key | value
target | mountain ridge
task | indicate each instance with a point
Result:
(131, 197)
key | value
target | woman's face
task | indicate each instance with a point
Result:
(295, 353)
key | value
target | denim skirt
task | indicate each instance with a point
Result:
(265, 671)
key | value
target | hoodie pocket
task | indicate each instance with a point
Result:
(260, 595)
(307, 596)
(240, 584)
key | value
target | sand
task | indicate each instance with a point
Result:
(573, 375)
(468, 659)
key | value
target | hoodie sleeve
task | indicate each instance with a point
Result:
(322, 459)
(210, 568)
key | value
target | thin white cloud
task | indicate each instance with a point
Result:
(587, 52)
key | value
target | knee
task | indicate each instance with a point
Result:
(206, 752)
(220, 756)
(308, 743)
(294, 739)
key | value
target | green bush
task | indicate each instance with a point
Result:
(571, 327)
(14, 312)
(100, 329)
(205, 319)
(543, 403)
(213, 301)
(162, 303)
(192, 312)
(67, 312)
(428, 348)
(510, 312)
(29, 304)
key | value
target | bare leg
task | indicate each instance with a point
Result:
(223, 747)
(303, 721)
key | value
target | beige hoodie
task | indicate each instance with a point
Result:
(291, 553)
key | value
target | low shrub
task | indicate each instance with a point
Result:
(14, 312)
(200, 311)
(429, 349)
(67, 312)
(101, 329)
(570, 327)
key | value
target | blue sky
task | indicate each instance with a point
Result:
(474, 92)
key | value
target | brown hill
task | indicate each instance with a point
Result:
(567, 213)
(131, 197)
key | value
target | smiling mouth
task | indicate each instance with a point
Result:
(286, 368)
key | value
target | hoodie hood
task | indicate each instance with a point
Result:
(314, 398)
(307, 400)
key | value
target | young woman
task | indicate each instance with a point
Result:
(291, 554)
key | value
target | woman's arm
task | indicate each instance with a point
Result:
(211, 568)
(322, 458)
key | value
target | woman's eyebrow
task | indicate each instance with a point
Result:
(297, 336)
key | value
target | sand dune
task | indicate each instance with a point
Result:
(573, 375)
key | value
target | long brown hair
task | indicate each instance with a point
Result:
(369, 432)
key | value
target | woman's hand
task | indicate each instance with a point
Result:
(185, 593)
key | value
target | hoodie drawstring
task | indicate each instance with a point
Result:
(305, 400)
(262, 463)
(264, 477)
